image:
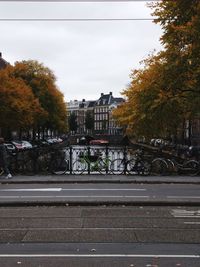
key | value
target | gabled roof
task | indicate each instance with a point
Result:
(108, 99)
(91, 104)
(104, 100)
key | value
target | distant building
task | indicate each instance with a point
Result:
(101, 111)
(103, 119)
(3, 62)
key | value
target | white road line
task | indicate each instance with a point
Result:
(180, 213)
(32, 190)
(94, 196)
(71, 189)
(97, 256)
(191, 222)
(102, 189)
(183, 197)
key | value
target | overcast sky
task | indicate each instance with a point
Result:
(88, 57)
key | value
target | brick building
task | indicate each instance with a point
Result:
(101, 110)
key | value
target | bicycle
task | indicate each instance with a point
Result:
(91, 163)
(135, 165)
(188, 167)
(59, 163)
(159, 166)
(162, 166)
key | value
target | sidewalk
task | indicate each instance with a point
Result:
(67, 178)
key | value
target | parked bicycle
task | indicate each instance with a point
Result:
(159, 166)
(164, 166)
(136, 165)
(187, 167)
(59, 162)
(91, 163)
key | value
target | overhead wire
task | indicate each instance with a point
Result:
(76, 19)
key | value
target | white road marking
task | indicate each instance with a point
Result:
(191, 222)
(38, 196)
(102, 189)
(70, 189)
(182, 213)
(32, 190)
(97, 256)
(183, 197)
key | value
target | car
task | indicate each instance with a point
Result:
(18, 145)
(39, 143)
(99, 142)
(10, 148)
(26, 144)
(22, 145)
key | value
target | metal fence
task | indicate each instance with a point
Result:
(77, 159)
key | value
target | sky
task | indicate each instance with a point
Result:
(87, 57)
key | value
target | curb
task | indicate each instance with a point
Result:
(68, 203)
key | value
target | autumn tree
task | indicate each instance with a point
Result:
(180, 21)
(42, 81)
(19, 109)
(166, 91)
(144, 111)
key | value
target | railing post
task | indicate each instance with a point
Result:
(88, 151)
(70, 159)
(125, 160)
(107, 159)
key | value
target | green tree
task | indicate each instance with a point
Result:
(73, 122)
(89, 121)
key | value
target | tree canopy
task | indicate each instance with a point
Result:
(29, 98)
(166, 91)
(18, 106)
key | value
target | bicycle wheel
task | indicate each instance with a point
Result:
(1, 171)
(191, 167)
(59, 166)
(145, 168)
(104, 166)
(131, 167)
(117, 166)
(79, 167)
(159, 167)
(172, 166)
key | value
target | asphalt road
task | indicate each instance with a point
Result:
(148, 255)
(100, 193)
(88, 224)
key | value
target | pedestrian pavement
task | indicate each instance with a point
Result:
(67, 178)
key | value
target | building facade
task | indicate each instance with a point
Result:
(101, 113)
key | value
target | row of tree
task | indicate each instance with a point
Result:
(165, 93)
(30, 100)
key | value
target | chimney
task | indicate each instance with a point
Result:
(0, 54)
(101, 94)
(83, 100)
(110, 93)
